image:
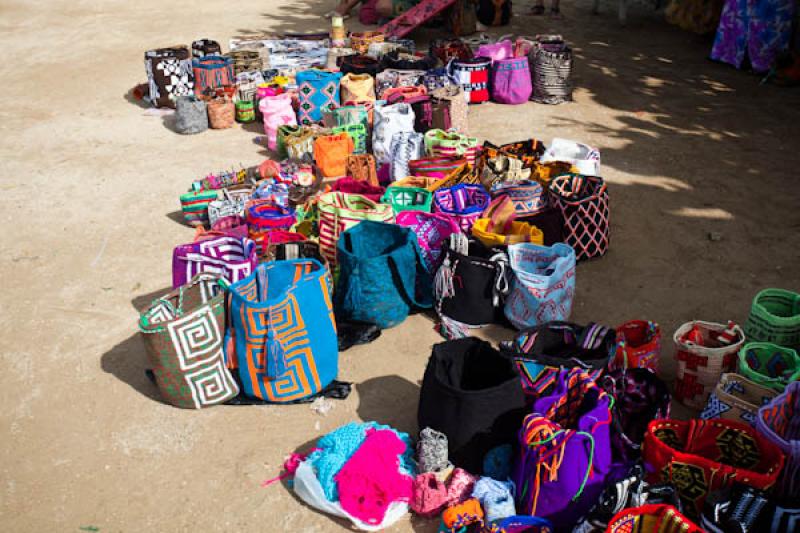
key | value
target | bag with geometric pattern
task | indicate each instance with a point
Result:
(736, 398)
(183, 332)
(583, 201)
(316, 89)
(282, 330)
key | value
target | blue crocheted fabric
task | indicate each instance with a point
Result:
(336, 448)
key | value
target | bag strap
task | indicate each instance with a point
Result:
(426, 302)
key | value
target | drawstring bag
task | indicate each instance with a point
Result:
(775, 317)
(473, 77)
(191, 115)
(169, 75)
(408, 199)
(565, 450)
(551, 70)
(451, 144)
(779, 423)
(463, 202)
(431, 230)
(358, 134)
(640, 396)
(471, 394)
(231, 258)
(390, 120)
(360, 41)
(339, 211)
(194, 205)
(276, 111)
(542, 351)
(282, 330)
(496, 51)
(769, 365)
(450, 109)
(316, 89)
(511, 81)
(638, 345)
(330, 153)
(212, 72)
(359, 64)
(659, 517)
(583, 202)
(183, 332)
(405, 146)
(527, 197)
(736, 398)
(205, 47)
(221, 113)
(700, 457)
(362, 168)
(381, 274)
(542, 284)
(357, 87)
(705, 351)
(470, 286)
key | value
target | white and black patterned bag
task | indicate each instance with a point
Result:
(406, 146)
(551, 70)
(169, 74)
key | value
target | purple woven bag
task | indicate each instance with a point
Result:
(511, 81)
(233, 258)
(432, 230)
(779, 422)
(464, 203)
(565, 451)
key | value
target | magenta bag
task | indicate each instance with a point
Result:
(432, 230)
(496, 51)
(511, 81)
(464, 203)
(231, 257)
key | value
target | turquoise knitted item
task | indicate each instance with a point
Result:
(334, 449)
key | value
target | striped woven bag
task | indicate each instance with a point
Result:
(339, 211)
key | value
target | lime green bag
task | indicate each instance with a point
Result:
(769, 365)
(408, 199)
(775, 317)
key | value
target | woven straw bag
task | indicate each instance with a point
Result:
(339, 211)
(701, 366)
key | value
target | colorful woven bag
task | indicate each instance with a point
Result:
(297, 142)
(565, 450)
(362, 168)
(583, 201)
(542, 284)
(191, 115)
(339, 211)
(358, 134)
(769, 365)
(528, 197)
(205, 47)
(510, 233)
(357, 87)
(390, 120)
(638, 345)
(212, 72)
(551, 70)
(315, 90)
(702, 456)
(183, 332)
(232, 204)
(382, 277)
(450, 109)
(451, 144)
(405, 147)
(282, 330)
(542, 351)
(194, 205)
(463, 174)
(705, 351)
(464, 203)
(408, 199)
(230, 257)
(473, 77)
(431, 230)
(345, 115)
(435, 167)
(659, 517)
(330, 153)
(169, 75)
(353, 186)
(267, 215)
(471, 394)
(775, 317)
(511, 81)
(779, 422)
(736, 398)
(276, 111)
(360, 41)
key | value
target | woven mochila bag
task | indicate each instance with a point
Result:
(528, 197)
(194, 205)
(330, 153)
(362, 168)
(638, 345)
(221, 114)
(357, 133)
(205, 47)
(357, 87)
(551, 70)
(775, 317)
(431, 229)
(434, 167)
(583, 201)
(408, 199)
(705, 351)
(565, 450)
(700, 457)
(315, 90)
(246, 61)
(212, 72)
(779, 422)
(169, 75)
(463, 202)
(406, 146)
(736, 398)
(451, 144)
(768, 364)
(183, 332)
(511, 81)
(390, 120)
(282, 331)
(339, 211)
(231, 258)
(473, 77)
(659, 517)
(191, 115)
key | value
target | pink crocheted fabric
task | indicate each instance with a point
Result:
(459, 488)
(430, 495)
(371, 480)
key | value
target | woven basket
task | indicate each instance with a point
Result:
(769, 365)
(221, 113)
(246, 61)
(775, 317)
(736, 398)
(700, 367)
(360, 41)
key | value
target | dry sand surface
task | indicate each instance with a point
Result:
(89, 202)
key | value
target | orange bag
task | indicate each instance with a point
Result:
(330, 153)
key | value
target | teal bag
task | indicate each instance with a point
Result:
(382, 277)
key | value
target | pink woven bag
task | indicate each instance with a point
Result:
(432, 230)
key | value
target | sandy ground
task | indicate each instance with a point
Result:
(89, 198)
